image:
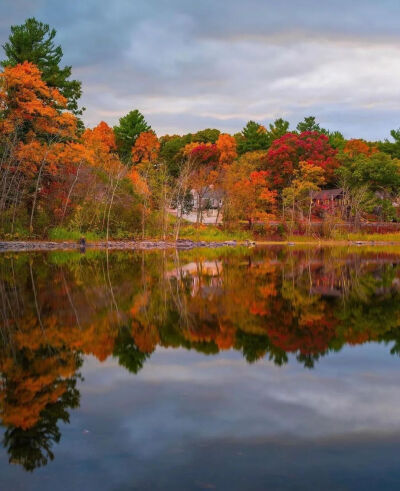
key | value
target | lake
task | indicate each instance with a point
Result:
(235, 369)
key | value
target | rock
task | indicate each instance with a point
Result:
(181, 244)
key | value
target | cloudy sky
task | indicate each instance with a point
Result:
(218, 63)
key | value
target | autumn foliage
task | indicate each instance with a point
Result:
(356, 147)
(146, 148)
(251, 198)
(226, 146)
(30, 107)
(126, 181)
(287, 152)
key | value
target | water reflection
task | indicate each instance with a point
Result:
(56, 308)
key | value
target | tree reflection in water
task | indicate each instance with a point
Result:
(56, 308)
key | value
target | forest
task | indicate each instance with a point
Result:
(61, 180)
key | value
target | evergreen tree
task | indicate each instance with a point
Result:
(33, 41)
(309, 124)
(253, 137)
(129, 128)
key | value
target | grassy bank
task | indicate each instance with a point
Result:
(213, 234)
(210, 234)
(73, 235)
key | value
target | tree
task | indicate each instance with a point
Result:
(356, 147)
(297, 197)
(209, 135)
(371, 182)
(254, 160)
(37, 134)
(128, 130)
(151, 178)
(30, 108)
(392, 147)
(171, 151)
(287, 152)
(141, 187)
(336, 140)
(146, 148)
(33, 41)
(205, 171)
(309, 124)
(101, 145)
(278, 128)
(203, 153)
(253, 137)
(378, 171)
(248, 196)
(226, 146)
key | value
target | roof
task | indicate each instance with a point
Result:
(210, 193)
(327, 194)
(213, 194)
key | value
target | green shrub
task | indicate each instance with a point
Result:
(59, 233)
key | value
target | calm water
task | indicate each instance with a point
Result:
(235, 370)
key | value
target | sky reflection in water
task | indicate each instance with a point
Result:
(190, 421)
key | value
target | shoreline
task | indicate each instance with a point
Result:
(27, 246)
(181, 244)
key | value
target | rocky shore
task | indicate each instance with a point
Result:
(111, 245)
(183, 244)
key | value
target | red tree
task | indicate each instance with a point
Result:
(203, 153)
(287, 152)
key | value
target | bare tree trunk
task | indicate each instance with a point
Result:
(108, 191)
(15, 207)
(178, 225)
(70, 191)
(35, 196)
(7, 154)
(109, 209)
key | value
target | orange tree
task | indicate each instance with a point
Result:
(206, 171)
(226, 145)
(35, 135)
(248, 196)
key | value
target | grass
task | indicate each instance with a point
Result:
(384, 237)
(59, 233)
(302, 238)
(211, 234)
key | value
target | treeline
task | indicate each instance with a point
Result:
(125, 181)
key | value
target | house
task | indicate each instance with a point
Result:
(204, 207)
(208, 204)
(211, 199)
(328, 200)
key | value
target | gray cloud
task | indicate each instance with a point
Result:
(189, 65)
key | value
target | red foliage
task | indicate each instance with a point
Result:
(285, 153)
(205, 153)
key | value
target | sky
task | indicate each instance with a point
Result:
(218, 63)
